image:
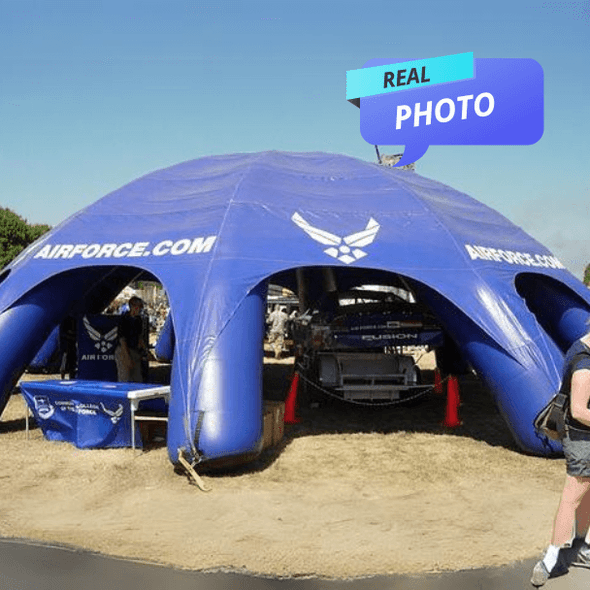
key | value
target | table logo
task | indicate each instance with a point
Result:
(43, 406)
(115, 415)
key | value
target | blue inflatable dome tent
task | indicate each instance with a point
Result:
(213, 231)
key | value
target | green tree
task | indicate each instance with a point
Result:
(16, 234)
(587, 275)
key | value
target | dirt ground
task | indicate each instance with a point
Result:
(351, 491)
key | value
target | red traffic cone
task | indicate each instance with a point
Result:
(291, 401)
(452, 412)
(437, 382)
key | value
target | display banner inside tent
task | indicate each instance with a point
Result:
(215, 231)
(98, 336)
(97, 340)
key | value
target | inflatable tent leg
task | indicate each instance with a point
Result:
(165, 345)
(46, 359)
(26, 325)
(561, 313)
(520, 387)
(225, 421)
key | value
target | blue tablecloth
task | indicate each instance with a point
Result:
(89, 414)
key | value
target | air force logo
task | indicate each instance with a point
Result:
(347, 252)
(43, 406)
(103, 342)
(115, 415)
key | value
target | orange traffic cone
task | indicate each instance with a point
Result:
(452, 412)
(437, 382)
(291, 401)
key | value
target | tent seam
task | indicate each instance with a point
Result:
(474, 271)
(204, 283)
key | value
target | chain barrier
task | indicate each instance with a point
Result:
(301, 370)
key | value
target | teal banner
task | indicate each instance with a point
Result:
(409, 74)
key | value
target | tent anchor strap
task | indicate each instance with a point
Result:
(192, 473)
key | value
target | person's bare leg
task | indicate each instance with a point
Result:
(574, 490)
(583, 517)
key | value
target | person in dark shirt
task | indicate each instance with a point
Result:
(131, 345)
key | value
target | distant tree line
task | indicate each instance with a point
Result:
(587, 275)
(16, 234)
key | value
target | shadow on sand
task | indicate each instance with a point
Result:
(480, 418)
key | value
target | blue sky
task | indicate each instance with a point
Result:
(96, 93)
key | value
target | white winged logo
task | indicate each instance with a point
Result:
(347, 249)
(43, 406)
(103, 342)
(114, 416)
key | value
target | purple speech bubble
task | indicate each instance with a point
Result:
(501, 105)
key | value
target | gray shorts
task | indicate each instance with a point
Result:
(576, 448)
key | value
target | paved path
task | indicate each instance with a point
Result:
(28, 566)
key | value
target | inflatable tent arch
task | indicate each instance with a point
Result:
(213, 230)
(40, 310)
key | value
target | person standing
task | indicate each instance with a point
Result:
(573, 513)
(131, 345)
(278, 325)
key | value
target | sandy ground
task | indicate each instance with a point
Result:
(351, 491)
